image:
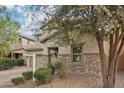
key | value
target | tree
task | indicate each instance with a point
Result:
(105, 23)
(36, 15)
(8, 33)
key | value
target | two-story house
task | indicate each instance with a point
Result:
(18, 47)
(81, 58)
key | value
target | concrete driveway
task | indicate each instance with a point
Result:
(5, 76)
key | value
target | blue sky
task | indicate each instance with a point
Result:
(29, 17)
(17, 13)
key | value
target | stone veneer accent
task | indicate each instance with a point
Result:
(91, 65)
(41, 61)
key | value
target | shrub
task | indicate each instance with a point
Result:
(2, 65)
(19, 62)
(10, 63)
(50, 64)
(27, 75)
(17, 80)
(52, 67)
(59, 64)
(43, 75)
(7, 63)
(61, 68)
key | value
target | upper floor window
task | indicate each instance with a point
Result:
(77, 53)
(20, 40)
(28, 42)
(12, 41)
(38, 38)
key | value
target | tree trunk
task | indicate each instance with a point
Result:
(109, 80)
(104, 71)
(107, 69)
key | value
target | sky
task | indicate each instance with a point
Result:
(30, 17)
(24, 17)
(17, 13)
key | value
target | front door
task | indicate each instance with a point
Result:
(121, 62)
(52, 54)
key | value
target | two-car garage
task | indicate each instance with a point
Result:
(121, 61)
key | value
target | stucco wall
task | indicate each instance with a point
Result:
(90, 44)
(25, 42)
(64, 50)
(45, 50)
(41, 61)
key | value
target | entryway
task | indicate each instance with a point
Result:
(52, 54)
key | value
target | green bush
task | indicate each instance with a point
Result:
(7, 63)
(19, 62)
(61, 68)
(17, 80)
(59, 64)
(2, 65)
(43, 75)
(27, 75)
(51, 65)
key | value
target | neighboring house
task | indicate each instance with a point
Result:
(121, 61)
(18, 48)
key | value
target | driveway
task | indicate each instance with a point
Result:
(5, 76)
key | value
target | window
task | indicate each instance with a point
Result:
(20, 40)
(28, 41)
(38, 38)
(12, 41)
(77, 54)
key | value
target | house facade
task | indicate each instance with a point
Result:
(81, 58)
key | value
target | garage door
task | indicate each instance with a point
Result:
(121, 62)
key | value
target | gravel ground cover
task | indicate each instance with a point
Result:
(73, 81)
